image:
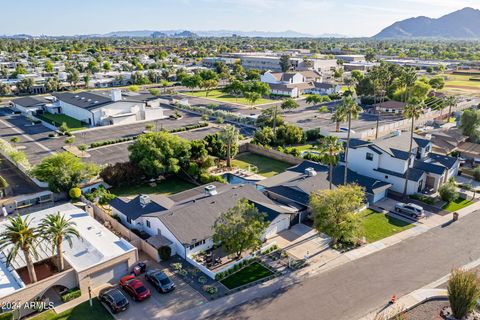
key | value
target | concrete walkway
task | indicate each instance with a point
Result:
(269, 290)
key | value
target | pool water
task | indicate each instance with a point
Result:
(234, 179)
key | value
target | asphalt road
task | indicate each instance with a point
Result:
(362, 286)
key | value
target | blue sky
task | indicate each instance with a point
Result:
(348, 17)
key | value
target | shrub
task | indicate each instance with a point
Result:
(183, 272)
(75, 193)
(208, 178)
(63, 128)
(462, 292)
(448, 192)
(71, 294)
(164, 252)
(323, 109)
(219, 120)
(176, 266)
(210, 289)
(6, 316)
(203, 279)
(423, 198)
(476, 174)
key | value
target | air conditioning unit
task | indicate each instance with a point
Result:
(310, 172)
(210, 190)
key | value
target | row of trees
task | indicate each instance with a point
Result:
(20, 236)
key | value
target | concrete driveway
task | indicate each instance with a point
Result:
(161, 305)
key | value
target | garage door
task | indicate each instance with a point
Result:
(282, 222)
(379, 196)
(109, 275)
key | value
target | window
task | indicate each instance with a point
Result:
(369, 156)
(148, 223)
(386, 177)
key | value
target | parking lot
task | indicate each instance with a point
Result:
(161, 305)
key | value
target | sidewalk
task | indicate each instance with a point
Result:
(270, 287)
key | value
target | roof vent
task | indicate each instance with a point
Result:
(310, 172)
(144, 200)
(210, 190)
(397, 133)
(95, 102)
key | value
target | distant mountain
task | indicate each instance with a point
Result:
(461, 24)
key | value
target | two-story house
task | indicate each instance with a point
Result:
(387, 159)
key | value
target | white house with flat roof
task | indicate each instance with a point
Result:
(96, 258)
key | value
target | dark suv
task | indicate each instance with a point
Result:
(114, 299)
(160, 280)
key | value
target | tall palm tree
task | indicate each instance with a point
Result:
(408, 79)
(230, 136)
(19, 236)
(331, 149)
(413, 111)
(352, 109)
(338, 117)
(55, 228)
(451, 102)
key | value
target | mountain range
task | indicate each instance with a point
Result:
(461, 24)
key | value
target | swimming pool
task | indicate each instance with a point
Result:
(234, 179)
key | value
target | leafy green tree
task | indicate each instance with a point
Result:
(470, 124)
(48, 66)
(330, 152)
(463, 292)
(52, 84)
(73, 77)
(5, 89)
(314, 99)
(338, 117)
(264, 136)
(93, 66)
(107, 66)
(154, 92)
(252, 97)
(334, 212)
(448, 191)
(267, 118)
(289, 134)
(230, 136)
(412, 111)
(209, 85)
(55, 228)
(284, 62)
(252, 74)
(437, 83)
(25, 85)
(18, 236)
(235, 88)
(240, 228)
(159, 153)
(164, 83)
(64, 171)
(289, 104)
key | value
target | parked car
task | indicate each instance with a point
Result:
(411, 209)
(160, 280)
(114, 299)
(135, 288)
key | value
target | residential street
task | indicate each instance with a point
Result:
(354, 289)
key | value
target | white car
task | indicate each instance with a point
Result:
(410, 209)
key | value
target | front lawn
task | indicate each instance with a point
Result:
(379, 225)
(266, 167)
(167, 187)
(251, 273)
(458, 204)
(81, 312)
(220, 96)
(58, 119)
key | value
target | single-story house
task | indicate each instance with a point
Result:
(391, 106)
(30, 105)
(186, 219)
(323, 88)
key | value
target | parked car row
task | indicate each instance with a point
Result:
(115, 299)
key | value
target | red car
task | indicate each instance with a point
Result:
(135, 288)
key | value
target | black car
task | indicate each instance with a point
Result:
(160, 280)
(114, 299)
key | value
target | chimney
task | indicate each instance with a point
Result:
(210, 190)
(116, 95)
(310, 172)
(144, 200)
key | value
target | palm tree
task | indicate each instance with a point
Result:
(338, 117)
(408, 79)
(19, 236)
(55, 228)
(230, 136)
(352, 109)
(331, 149)
(413, 111)
(451, 102)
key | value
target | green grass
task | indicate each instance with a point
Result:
(267, 167)
(81, 312)
(457, 205)
(58, 119)
(378, 225)
(253, 272)
(219, 95)
(167, 187)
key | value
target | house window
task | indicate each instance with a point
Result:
(148, 223)
(369, 156)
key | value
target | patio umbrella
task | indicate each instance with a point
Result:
(4, 211)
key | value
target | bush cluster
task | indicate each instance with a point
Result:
(71, 294)
(217, 113)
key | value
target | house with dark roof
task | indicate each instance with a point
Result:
(294, 186)
(30, 105)
(391, 106)
(186, 219)
(95, 108)
(386, 159)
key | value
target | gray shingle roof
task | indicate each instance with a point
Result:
(133, 209)
(414, 174)
(30, 101)
(85, 100)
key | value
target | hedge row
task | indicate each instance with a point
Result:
(71, 294)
